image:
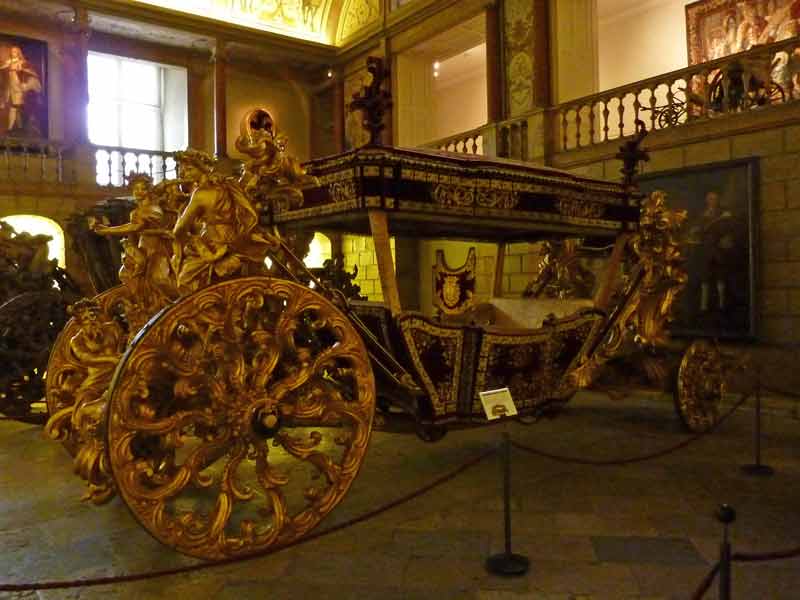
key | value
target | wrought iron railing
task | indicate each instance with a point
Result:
(24, 160)
(115, 164)
(761, 77)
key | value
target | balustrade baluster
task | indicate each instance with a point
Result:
(564, 129)
(110, 168)
(606, 115)
(652, 108)
(523, 140)
(578, 121)
(621, 113)
(592, 136)
(671, 105)
(637, 106)
(59, 165)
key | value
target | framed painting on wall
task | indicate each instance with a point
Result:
(717, 28)
(720, 246)
(23, 87)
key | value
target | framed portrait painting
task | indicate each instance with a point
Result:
(23, 87)
(717, 28)
(720, 245)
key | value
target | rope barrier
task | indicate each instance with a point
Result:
(634, 459)
(778, 392)
(766, 556)
(705, 584)
(95, 581)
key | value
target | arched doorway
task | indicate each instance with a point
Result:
(38, 225)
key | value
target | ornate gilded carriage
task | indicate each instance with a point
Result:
(228, 399)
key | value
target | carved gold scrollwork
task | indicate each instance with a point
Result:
(493, 198)
(658, 275)
(560, 272)
(585, 209)
(468, 196)
(240, 416)
(343, 191)
(699, 386)
(454, 195)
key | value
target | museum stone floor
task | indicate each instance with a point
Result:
(645, 530)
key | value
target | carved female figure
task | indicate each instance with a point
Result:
(216, 234)
(145, 266)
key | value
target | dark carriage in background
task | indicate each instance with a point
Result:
(34, 295)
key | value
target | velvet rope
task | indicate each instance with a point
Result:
(634, 459)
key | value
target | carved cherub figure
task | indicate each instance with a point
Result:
(270, 175)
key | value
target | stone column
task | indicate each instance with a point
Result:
(75, 82)
(338, 111)
(574, 48)
(494, 62)
(198, 109)
(220, 61)
(75, 78)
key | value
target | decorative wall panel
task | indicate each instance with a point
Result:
(519, 55)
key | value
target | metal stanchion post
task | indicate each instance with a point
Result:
(757, 469)
(726, 515)
(507, 563)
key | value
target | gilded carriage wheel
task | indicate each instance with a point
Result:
(699, 386)
(239, 417)
(65, 374)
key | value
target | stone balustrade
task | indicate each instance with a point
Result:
(469, 142)
(24, 160)
(115, 164)
(754, 80)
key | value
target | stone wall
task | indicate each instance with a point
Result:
(359, 250)
(777, 148)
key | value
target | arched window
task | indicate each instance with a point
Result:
(35, 225)
(318, 251)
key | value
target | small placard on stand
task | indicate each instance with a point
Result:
(498, 404)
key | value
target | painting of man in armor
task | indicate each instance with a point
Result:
(718, 246)
(23, 91)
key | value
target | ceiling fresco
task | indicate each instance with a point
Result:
(304, 19)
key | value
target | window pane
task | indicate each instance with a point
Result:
(103, 123)
(141, 127)
(140, 82)
(103, 76)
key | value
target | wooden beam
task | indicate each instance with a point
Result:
(497, 276)
(379, 226)
(603, 295)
